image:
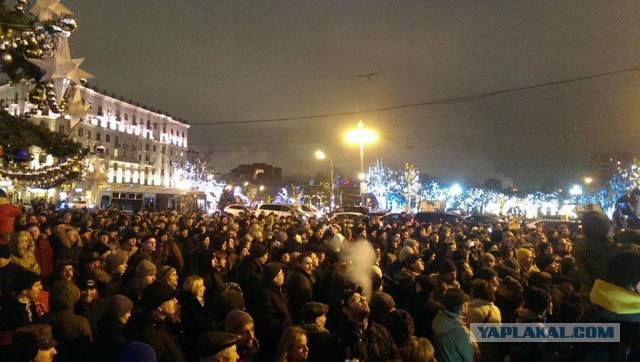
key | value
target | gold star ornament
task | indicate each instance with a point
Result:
(45, 10)
(61, 68)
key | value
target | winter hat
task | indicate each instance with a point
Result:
(312, 310)
(25, 280)
(595, 225)
(540, 279)
(113, 261)
(236, 320)
(410, 259)
(404, 252)
(210, 343)
(381, 303)
(164, 272)
(145, 268)
(280, 236)
(486, 273)
(270, 271)
(400, 325)
(425, 283)
(258, 251)
(64, 295)
(101, 248)
(446, 267)
(357, 230)
(523, 254)
(155, 294)
(513, 284)
(118, 306)
(137, 352)
(544, 261)
(225, 302)
(27, 340)
(536, 299)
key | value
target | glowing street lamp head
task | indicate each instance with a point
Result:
(588, 180)
(455, 190)
(361, 136)
(320, 155)
(261, 188)
(575, 190)
(362, 176)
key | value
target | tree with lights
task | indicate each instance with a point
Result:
(34, 49)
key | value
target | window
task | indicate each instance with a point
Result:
(146, 158)
(133, 121)
(172, 131)
(117, 115)
(164, 128)
(155, 125)
(80, 132)
(117, 141)
(98, 136)
(139, 157)
(171, 152)
(182, 134)
(115, 166)
(115, 153)
(164, 149)
(61, 129)
(89, 134)
(126, 116)
(154, 148)
(107, 138)
(146, 147)
(148, 124)
(100, 111)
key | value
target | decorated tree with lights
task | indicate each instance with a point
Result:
(34, 50)
(409, 186)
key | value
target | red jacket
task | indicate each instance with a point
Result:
(8, 213)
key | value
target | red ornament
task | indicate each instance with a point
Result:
(1, 151)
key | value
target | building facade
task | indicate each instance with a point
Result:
(131, 145)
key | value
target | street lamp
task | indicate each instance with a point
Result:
(588, 180)
(361, 136)
(321, 156)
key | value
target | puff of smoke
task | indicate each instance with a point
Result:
(360, 256)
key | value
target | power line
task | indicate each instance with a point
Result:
(445, 101)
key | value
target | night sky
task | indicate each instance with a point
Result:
(217, 61)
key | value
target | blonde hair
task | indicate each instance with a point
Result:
(192, 283)
(287, 342)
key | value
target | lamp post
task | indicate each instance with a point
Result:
(361, 136)
(321, 156)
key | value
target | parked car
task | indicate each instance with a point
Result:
(76, 204)
(311, 211)
(281, 210)
(390, 217)
(485, 219)
(347, 217)
(438, 218)
(236, 209)
(553, 224)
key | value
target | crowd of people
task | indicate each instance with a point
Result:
(103, 285)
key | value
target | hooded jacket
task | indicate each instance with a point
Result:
(8, 213)
(72, 331)
(22, 251)
(453, 339)
(613, 304)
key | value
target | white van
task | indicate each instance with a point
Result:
(281, 210)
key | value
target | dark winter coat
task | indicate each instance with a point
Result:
(109, 340)
(93, 312)
(271, 319)
(250, 280)
(299, 287)
(322, 344)
(423, 309)
(196, 320)
(72, 331)
(146, 328)
(374, 345)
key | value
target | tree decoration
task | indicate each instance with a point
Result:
(46, 10)
(61, 69)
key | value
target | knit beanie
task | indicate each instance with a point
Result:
(511, 263)
(236, 320)
(270, 271)
(226, 302)
(25, 280)
(164, 272)
(118, 306)
(595, 225)
(64, 295)
(446, 267)
(381, 303)
(136, 352)
(113, 261)
(145, 268)
(536, 299)
(486, 274)
(523, 254)
(257, 251)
